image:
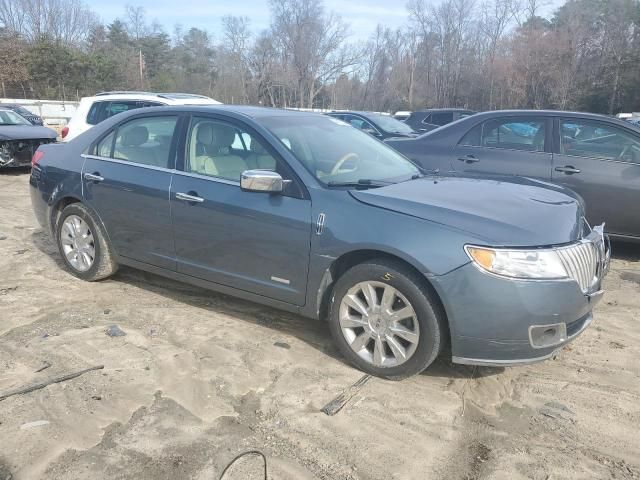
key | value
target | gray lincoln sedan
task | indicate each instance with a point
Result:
(302, 212)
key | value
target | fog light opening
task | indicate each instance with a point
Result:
(543, 336)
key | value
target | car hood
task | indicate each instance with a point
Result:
(518, 212)
(25, 132)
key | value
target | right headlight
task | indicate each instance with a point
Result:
(516, 263)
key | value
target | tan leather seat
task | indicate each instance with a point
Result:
(227, 164)
(211, 152)
(202, 143)
(260, 158)
(130, 147)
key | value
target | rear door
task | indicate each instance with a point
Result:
(126, 179)
(506, 146)
(601, 162)
(257, 242)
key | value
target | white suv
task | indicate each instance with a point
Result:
(93, 110)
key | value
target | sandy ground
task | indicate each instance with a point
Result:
(200, 377)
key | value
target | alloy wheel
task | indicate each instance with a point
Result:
(379, 324)
(78, 243)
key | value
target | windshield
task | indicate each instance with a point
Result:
(391, 124)
(334, 152)
(7, 117)
(23, 111)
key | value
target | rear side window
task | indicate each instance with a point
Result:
(508, 133)
(100, 111)
(146, 141)
(441, 118)
(105, 146)
(473, 136)
(95, 112)
(115, 108)
(598, 140)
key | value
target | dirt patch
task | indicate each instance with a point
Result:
(199, 378)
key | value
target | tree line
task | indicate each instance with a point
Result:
(478, 54)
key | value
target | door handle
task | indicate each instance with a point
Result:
(568, 169)
(469, 159)
(185, 197)
(93, 177)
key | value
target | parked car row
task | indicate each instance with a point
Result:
(302, 212)
(596, 156)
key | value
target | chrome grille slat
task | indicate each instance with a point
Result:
(581, 262)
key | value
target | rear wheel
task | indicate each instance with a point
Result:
(385, 321)
(83, 244)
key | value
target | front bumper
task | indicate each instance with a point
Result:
(18, 153)
(496, 321)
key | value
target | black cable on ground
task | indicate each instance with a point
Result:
(239, 456)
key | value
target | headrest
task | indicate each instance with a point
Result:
(257, 148)
(135, 137)
(223, 136)
(205, 133)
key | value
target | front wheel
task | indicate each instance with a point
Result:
(385, 321)
(83, 244)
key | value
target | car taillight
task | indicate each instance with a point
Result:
(37, 156)
(65, 132)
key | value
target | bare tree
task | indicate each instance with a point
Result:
(65, 21)
(136, 21)
(312, 43)
(13, 59)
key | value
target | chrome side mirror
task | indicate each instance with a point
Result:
(261, 181)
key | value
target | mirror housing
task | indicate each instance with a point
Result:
(261, 181)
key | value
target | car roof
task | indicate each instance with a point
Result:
(242, 110)
(444, 110)
(169, 98)
(358, 112)
(550, 113)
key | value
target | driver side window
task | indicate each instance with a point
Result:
(591, 139)
(219, 149)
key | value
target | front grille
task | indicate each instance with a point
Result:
(581, 261)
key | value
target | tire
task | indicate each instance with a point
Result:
(404, 286)
(103, 262)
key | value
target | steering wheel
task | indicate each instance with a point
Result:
(337, 167)
(624, 151)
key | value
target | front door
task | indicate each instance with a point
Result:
(126, 180)
(506, 146)
(601, 162)
(257, 242)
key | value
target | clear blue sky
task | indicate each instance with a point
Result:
(361, 15)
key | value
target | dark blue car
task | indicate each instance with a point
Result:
(302, 212)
